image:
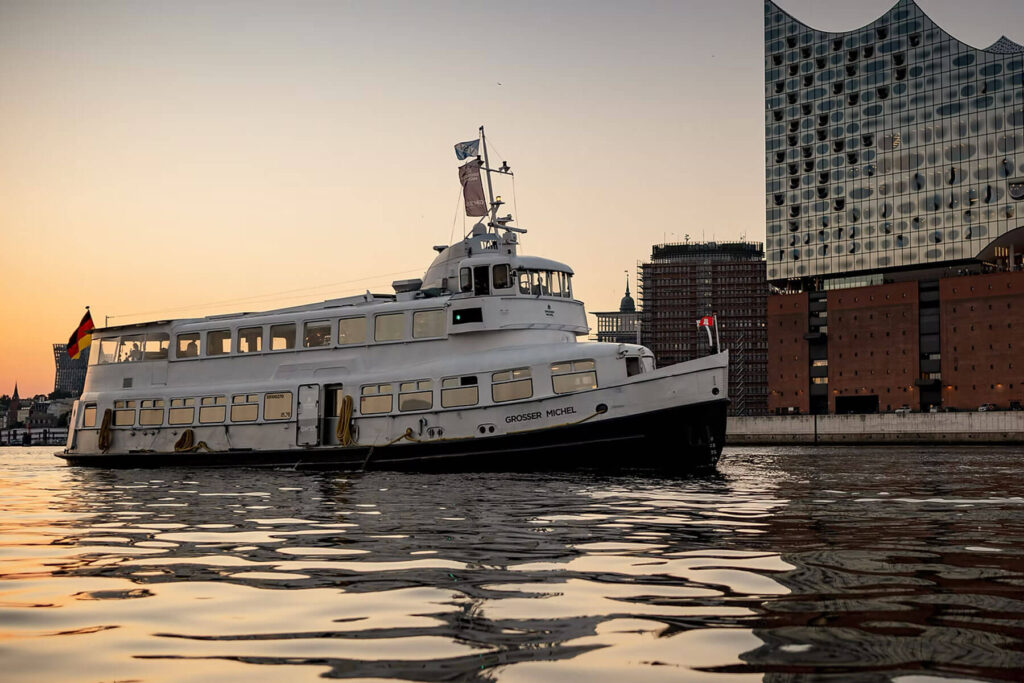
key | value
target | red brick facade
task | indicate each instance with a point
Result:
(982, 340)
(788, 371)
(873, 345)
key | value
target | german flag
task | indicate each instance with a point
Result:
(82, 337)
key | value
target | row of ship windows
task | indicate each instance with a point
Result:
(456, 392)
(283, 337)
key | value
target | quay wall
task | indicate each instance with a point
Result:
(989, 427)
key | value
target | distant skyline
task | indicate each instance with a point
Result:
(163, 160)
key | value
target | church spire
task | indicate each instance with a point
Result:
(627, 305)
(15, 397)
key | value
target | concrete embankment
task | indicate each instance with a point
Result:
(988, 427)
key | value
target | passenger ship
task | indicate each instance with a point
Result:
(474, 366)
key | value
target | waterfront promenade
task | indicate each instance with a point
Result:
(1004, 427)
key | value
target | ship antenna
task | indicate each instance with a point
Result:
(495, 222)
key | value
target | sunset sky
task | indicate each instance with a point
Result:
(176, 159)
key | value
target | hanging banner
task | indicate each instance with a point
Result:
(473, 188)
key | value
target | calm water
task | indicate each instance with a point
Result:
(882, 564)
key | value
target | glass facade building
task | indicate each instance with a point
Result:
(890, 147)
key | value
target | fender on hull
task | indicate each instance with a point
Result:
(683, 438)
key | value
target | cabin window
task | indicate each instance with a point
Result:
(376, 398)
(524, 282)
(316, 333)
(250, 340)
(633, 366)
(156, 346)
(107, 351)
(218, 342)
(151, 412)
(130, 349)
(245, 407)
(389, 327)
(428, 324)
(417, 395)
(124, 413)
(465, 280)
(188, 345)
(212, 409)
(570, 376)
(282, 337)
(481, 281)
(502, 276)
(277, 406)
(182, 411)
(352, 330)
(459, 391)
(89, 415)
(511, 385)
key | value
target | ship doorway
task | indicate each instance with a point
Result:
(308, 415)
(334, 394)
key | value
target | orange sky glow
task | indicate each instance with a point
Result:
(177, 159)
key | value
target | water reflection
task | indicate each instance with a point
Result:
(789, 562)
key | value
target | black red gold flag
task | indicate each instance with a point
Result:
(82, 337)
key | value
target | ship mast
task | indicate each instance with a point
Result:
(496, 222)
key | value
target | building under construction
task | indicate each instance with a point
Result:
(684, 282)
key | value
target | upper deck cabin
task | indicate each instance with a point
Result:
(477, 293)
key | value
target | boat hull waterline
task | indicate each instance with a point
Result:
(682, 438)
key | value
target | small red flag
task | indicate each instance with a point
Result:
(82, 337)
(706, 321)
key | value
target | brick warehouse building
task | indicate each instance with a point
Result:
(894, 165)
(683, 282)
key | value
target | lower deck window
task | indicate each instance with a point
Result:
(416, 395)
(151, 413)
(375, 399)
(570, 376)
(459, 391)
(124, 413)
(182, 411)
(511, 385)
(277, 406)
(212, 409)
(245, 407)
(89, 415)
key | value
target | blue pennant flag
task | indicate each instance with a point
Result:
(467, 149)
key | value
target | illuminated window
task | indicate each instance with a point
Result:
(459, 391)
(570, 376)
(277, 406)
(316, 333)
(376, 398)
(182, 411)
(89, 415)
(245, 407)
(511, 385)
(416, 395)
(212, 409)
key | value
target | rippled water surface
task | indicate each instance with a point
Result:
(881, 564)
